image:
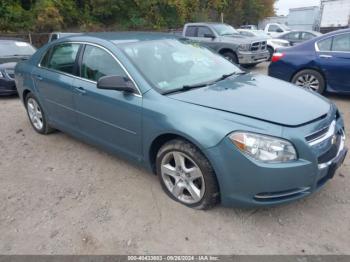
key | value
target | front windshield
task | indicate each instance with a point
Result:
(14, 48)
(172, 64)
(223, 29)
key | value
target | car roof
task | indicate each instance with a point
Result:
(205, 23)
(124, 37)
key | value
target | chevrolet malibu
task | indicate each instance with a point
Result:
(211, 132)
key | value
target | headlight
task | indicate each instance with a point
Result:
(244, 47)
(264, 148)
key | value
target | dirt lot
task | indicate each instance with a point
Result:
(61, 196)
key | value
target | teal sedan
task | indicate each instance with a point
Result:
(211, 132)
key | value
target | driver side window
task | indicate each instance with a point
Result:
(203, 31)
(97, 63)
(273, 28)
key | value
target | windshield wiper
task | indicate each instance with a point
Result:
(189, 87)
(186, 88)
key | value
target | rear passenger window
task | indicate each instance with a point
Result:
(292, 36)
(98, 63)
(63, 58)
(307, 36)
(191, 31)
(341, 43)
(325, 45)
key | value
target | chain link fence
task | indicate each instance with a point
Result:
(36, 39)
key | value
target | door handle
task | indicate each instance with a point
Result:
(326, 56)
(80, 90)
(39, 77)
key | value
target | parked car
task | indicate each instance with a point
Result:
(321, 64)
(227, 41)
(276, 29)
(210, 131)
(11, 51)
(249, 27)
(297, 37)
(272, 43)
(57, 35)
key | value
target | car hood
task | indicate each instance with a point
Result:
(12, 59)
(10, 65)
(260, 97)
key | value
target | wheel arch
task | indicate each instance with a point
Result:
(160, 140)
(225, 50)
(24, 94)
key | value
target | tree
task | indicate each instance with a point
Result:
(48, 15)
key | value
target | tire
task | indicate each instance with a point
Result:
(230, 56)
(310, 78)
(36, 115)
(193, 174)
(271, 52)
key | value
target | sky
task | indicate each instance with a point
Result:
(282, 6)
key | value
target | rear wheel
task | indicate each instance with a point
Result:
(310, 79)
(186, 175)
(36, 115)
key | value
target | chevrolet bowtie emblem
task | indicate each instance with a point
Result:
(334, 139)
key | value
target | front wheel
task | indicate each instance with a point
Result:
(36, 115)
(271, 51)
(310, 79)
(230, 56)
(186, 175)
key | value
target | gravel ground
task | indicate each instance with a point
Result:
(61, 196)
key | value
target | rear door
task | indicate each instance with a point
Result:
(110, 118)
(54, 81)
(333, 57)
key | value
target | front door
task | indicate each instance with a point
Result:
(110, 118)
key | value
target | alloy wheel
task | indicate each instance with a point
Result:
(182, 177)
(35, 113)
(308, 81)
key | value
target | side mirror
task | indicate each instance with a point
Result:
(279, 30)
(118, 83)
(209, 36)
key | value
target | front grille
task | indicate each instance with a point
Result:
(333, 151)
(317, 134)
(257, 46)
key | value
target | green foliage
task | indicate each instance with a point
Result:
(50, 15)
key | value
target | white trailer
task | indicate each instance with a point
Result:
(335, 14)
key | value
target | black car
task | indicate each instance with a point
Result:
(297, 37)
(11, 51)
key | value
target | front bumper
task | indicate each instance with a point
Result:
(252, 57)
(247, 183)
(7, 87)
